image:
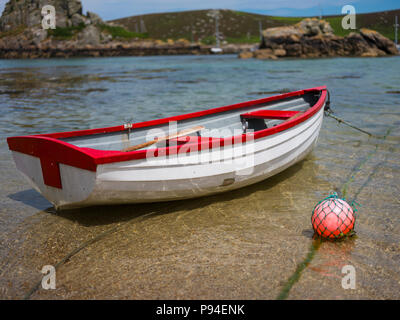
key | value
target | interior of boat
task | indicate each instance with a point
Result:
(222, 124)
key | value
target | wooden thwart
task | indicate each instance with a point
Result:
(269, 114)
(181, 133)
(295, 116)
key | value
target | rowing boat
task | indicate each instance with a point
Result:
(179, 157)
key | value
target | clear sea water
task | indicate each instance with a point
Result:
(242, 245)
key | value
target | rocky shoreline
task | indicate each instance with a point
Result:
(313, 38)
(35, 53)
(114, 49)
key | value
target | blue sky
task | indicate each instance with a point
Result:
(112, 9)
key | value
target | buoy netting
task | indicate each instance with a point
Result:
(333, 217)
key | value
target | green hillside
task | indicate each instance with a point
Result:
(237, 26)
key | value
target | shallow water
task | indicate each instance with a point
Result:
(244, 244)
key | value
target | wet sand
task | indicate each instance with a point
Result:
(244, 244)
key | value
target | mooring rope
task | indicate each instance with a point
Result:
(83, 246)
(329, 114)
(362, 163)
(284, 293)
(316, 243)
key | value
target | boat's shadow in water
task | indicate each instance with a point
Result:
(104, 215)
(31, 198)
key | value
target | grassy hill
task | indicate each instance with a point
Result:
(237, 26)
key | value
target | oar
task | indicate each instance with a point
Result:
(181, 133)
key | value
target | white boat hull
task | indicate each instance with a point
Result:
(137, 181)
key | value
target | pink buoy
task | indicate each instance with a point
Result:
(333, 218)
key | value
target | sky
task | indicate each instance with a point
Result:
(113, 9)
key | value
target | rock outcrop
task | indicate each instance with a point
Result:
(28, 13)
(22, 34)
(312, 38)
(375, 39)
(89, 36)
(21, 23)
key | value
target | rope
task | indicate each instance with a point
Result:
(300, 268)
(81, 247)
(348, 124)
(362, 163)
(329, 113)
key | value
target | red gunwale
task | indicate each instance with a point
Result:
(48, 146)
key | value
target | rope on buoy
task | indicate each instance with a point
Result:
(333, 218)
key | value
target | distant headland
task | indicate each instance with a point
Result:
(192, 32)
(314, 38)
